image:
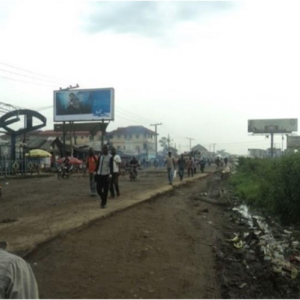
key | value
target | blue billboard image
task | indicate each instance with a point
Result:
(84, 105)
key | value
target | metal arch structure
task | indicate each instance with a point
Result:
(12, 115)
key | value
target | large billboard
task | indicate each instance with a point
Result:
(293, 141)
(84, 105)
(273, 126)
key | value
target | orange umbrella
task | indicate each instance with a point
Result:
(73, 160)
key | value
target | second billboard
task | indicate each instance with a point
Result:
(273, 126)
(84, 105)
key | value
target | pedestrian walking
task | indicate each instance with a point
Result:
(202, 164)
(218, 162)
(181, 166)
(170, 162)
(226, 161)
(195, 166)
(190, 167)
(116, 173)
(91, 164)
(103, 175)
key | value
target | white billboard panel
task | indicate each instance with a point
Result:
(293, 141)
(273, 126)
(84, 105)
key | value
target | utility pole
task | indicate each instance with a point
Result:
(155, 125)
(214, 149)
(190, 143)
(168, 142)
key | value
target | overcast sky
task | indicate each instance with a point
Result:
(201, 68)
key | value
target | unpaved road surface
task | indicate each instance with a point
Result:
(37, 209)
(163, 248)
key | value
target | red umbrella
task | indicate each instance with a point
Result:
(73, 160)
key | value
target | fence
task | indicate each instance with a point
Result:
(21, 166)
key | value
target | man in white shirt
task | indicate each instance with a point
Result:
(103, 175)
(116, 173)
(17, 280)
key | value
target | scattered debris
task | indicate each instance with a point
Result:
(211, 201)
(8, 220)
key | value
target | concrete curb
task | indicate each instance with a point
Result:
(108, 212)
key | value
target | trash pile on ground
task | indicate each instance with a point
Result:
(271, 243)
(259, 258)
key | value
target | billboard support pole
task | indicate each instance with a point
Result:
(102, 135)
(64, 139)
(71, 141)
(272, 144)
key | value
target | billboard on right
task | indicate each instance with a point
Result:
(293, 141)
(273, 126)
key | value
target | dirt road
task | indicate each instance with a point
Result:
(37, 209)
(159, 249)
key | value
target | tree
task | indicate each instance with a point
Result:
(223, 153)
(164, 143)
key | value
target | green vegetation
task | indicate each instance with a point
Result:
(271, 184)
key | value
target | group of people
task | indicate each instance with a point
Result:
(182, 163)
(220, 162)
(105, 169)
(104, 173)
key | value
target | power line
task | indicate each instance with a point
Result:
(164, 128)
(131, 116)
(148, 120)
(19, 80)
(29, 76)
(39, 74)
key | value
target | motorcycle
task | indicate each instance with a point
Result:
(64, 172)
(132, 173)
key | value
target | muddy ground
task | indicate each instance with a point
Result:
(160, 249)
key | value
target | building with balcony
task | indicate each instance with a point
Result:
(133, 140)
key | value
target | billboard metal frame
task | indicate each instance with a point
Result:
(87, 119)
(272, 132)
(273, 123)
(293, 144)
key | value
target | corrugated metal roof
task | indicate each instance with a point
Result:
(35, 143)
(131, 130)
